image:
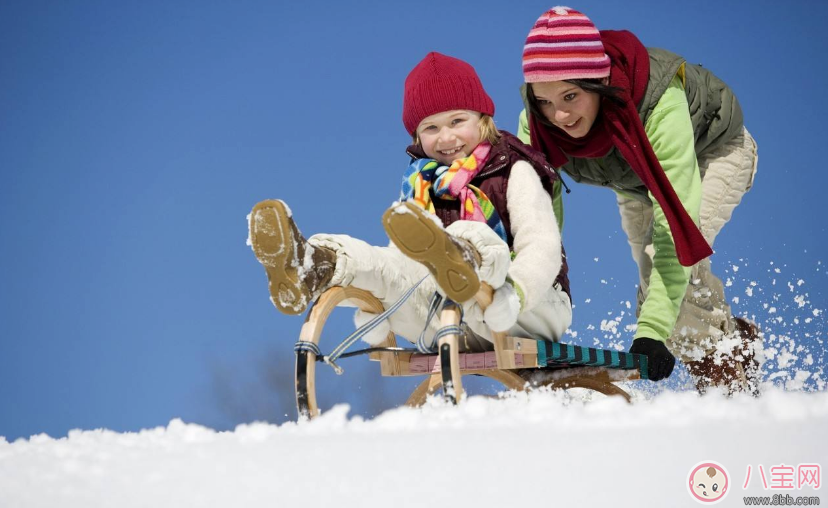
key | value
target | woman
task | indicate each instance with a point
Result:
(669, 139)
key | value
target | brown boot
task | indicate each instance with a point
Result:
(283, 251)
(752, 343)
(452, 261)
(737, 371)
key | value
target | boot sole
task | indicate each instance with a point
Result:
(275, 248)
(421, 239)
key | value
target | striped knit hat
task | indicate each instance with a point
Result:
(564, 44)
(442, 83)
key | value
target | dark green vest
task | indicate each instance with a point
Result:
(714, 111)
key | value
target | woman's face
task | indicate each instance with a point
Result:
(569, 107)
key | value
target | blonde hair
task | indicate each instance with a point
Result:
(488, 130)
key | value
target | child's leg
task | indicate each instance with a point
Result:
(490, 263)
(420, 236)
(387, 274)
(549, 319)
(296, 272)
(299, 270)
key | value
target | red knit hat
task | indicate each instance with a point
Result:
(442, 83)
(564, 44)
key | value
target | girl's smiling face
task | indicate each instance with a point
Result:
(568, 107)
(450, 135)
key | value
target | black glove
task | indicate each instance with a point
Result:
(660, 361)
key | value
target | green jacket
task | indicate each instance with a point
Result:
(686, 111)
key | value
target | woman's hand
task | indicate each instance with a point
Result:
(660, 361)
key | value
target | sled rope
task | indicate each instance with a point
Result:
(436, 300)
(360, 332)
(422, 347)
(309, 347)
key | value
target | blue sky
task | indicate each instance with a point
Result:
(135, 138)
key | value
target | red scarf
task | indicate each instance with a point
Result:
(622, 127)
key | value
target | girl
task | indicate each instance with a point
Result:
(468, 174)
(669, 139)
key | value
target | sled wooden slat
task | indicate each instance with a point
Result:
(413, 364)
(519, 345)
(403, 358)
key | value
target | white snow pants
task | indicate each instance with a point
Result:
(387, 273)
(727, 173)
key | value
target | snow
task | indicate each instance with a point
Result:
(399, 208)
(249, 241)
(792, 321)
(540, 448)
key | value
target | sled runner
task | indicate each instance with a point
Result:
(558, 365)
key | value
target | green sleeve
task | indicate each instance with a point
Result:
(670, 132)
(523, 128)
(557, 200)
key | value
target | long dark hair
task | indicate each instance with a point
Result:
(590, 85)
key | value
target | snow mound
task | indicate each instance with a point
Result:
(517, 448)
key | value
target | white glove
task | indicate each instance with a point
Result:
(378, 334)
(502, 314)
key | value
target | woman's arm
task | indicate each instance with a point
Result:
(670, 132)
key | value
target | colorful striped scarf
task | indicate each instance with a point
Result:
(452, 182)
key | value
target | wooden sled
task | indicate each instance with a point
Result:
(566, 366)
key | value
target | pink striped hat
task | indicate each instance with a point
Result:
(564, 44)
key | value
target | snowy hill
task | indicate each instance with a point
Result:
(542, 448)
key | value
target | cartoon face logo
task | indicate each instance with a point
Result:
(708, 482)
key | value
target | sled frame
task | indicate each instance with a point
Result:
(446, 369)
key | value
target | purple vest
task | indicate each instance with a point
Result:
(493, 179)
